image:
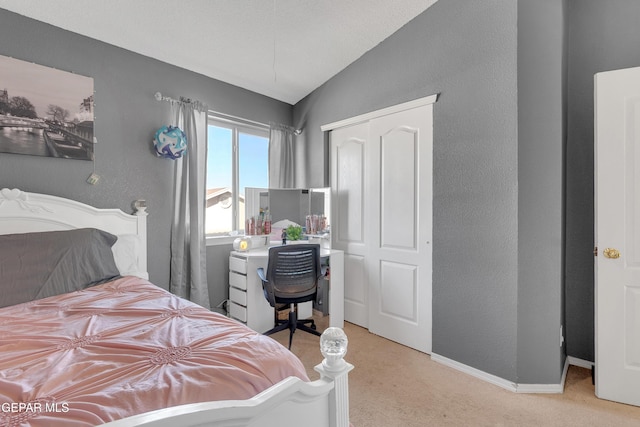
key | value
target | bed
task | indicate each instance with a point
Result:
(86, 339)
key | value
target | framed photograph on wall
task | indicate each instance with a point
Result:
(45, 111)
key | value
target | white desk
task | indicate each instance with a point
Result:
(248, 304)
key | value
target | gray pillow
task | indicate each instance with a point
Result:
(42, 264)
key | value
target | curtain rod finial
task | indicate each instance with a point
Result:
(158, 96)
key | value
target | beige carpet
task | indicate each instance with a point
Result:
(393, 385)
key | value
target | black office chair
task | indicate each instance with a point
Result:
(292, 278)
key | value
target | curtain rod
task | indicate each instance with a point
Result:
(203, 107)
(229, 117)
(196, 104)
(271, 125)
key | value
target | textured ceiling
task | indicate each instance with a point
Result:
(280, 48)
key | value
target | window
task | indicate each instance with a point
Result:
(237, 158)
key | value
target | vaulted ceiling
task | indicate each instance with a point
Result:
(283, 49)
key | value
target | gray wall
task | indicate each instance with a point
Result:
(126, 118)
(466, 51)
(602, 36)
(541, 144)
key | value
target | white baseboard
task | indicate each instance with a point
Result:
(501, 382)
(580, 362)
(546, 388)
(490, 378)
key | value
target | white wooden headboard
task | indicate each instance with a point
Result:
(22, 212)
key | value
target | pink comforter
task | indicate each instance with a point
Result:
(123, 348)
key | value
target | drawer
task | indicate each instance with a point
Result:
(238, 264)
(237, 280)
(238, 312)
(238, 296)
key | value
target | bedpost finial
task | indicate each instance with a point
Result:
(333, 346)
(140, 207)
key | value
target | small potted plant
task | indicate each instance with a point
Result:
(294, 232)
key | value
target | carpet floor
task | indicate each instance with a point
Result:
(393, 385)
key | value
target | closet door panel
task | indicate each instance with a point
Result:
(349, 189)
(400, 206)
(399, 196)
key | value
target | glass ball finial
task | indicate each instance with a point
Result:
(333, 346)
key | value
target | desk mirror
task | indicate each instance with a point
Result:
(308, 207)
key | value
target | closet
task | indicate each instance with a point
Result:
(382, 195)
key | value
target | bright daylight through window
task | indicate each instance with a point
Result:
(237, 158)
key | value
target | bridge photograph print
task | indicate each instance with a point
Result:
(45, 111)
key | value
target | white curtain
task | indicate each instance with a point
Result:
(281, 156)
(188, 248)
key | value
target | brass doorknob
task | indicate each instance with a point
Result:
(611, 253)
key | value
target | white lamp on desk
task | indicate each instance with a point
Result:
(242, 244)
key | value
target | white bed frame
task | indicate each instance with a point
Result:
(291, 402)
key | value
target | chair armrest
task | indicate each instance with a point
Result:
(266, 287)
(261, 274)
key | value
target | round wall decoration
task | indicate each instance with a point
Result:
(170, 142)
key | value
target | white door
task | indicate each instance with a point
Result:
(399, 257)
(617, 228)
(349, 186)
(381, 179)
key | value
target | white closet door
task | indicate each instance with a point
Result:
(349, 189)
(617, 232)
(381, 180)
(399, 227)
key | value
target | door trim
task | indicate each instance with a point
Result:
(427, 100)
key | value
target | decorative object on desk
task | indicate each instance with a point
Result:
(267, 224)
(250, 226)
(316, 224)
(242, 244)
(294, 232)
(170, 142)
(260, 225)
